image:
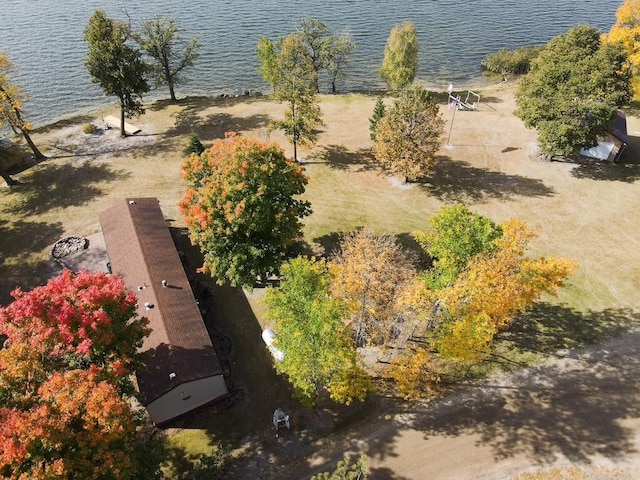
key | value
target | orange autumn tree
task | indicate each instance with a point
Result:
(492, 289)
(77, 427)
(242, 208)
(67, 350)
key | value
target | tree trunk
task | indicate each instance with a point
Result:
(122, 132)
(333, 86)
(10, 181)
(168, 78)
(294, 131)
(37, 153)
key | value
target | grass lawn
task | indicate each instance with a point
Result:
(588, 212)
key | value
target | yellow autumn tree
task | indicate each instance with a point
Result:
(415, 373)
(493, 288)
(370, 273)
(12, 96)
(626, 30)
(408, 135)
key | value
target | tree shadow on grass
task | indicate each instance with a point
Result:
(215, 125)
(339, 158)
(53, 185)
(199, 102)
(490, 99)
(549, 328)
(330, 242)
(212, 126)
(627, 171)
(18, 240)
(418, 256)
(382, 473)
(457, 181)
(573, 409)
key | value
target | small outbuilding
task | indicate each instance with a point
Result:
(183, 371)
(611, 147)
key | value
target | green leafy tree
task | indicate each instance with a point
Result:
(160, 39)
(241, 208)
(326, 51)
(345, 470)
(456, 235)
(287, 65)
(300, 123)
(400, 60)
(407, 137)
(11, 114)
(338, 51)
(505, 60)
(572, 90)
(318, 352)
(314, 35)
(378, 112)
(268, 57)
(115, 63)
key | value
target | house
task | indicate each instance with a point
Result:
(183, 371)
(610, 147)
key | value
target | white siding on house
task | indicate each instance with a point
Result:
(186, 397)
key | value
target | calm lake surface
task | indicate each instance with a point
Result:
(44, 40)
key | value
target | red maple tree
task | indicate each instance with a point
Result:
(68, 349)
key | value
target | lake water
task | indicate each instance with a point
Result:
(44, 39)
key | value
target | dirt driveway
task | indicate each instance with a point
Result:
(580, 408)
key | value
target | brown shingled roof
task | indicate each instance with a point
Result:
(141, 250)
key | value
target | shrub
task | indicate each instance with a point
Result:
(89, 128)
(505, 60)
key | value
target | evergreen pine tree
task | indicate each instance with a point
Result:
(195, 146)
(378, 113)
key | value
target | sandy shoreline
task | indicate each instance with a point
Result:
(486, 80)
